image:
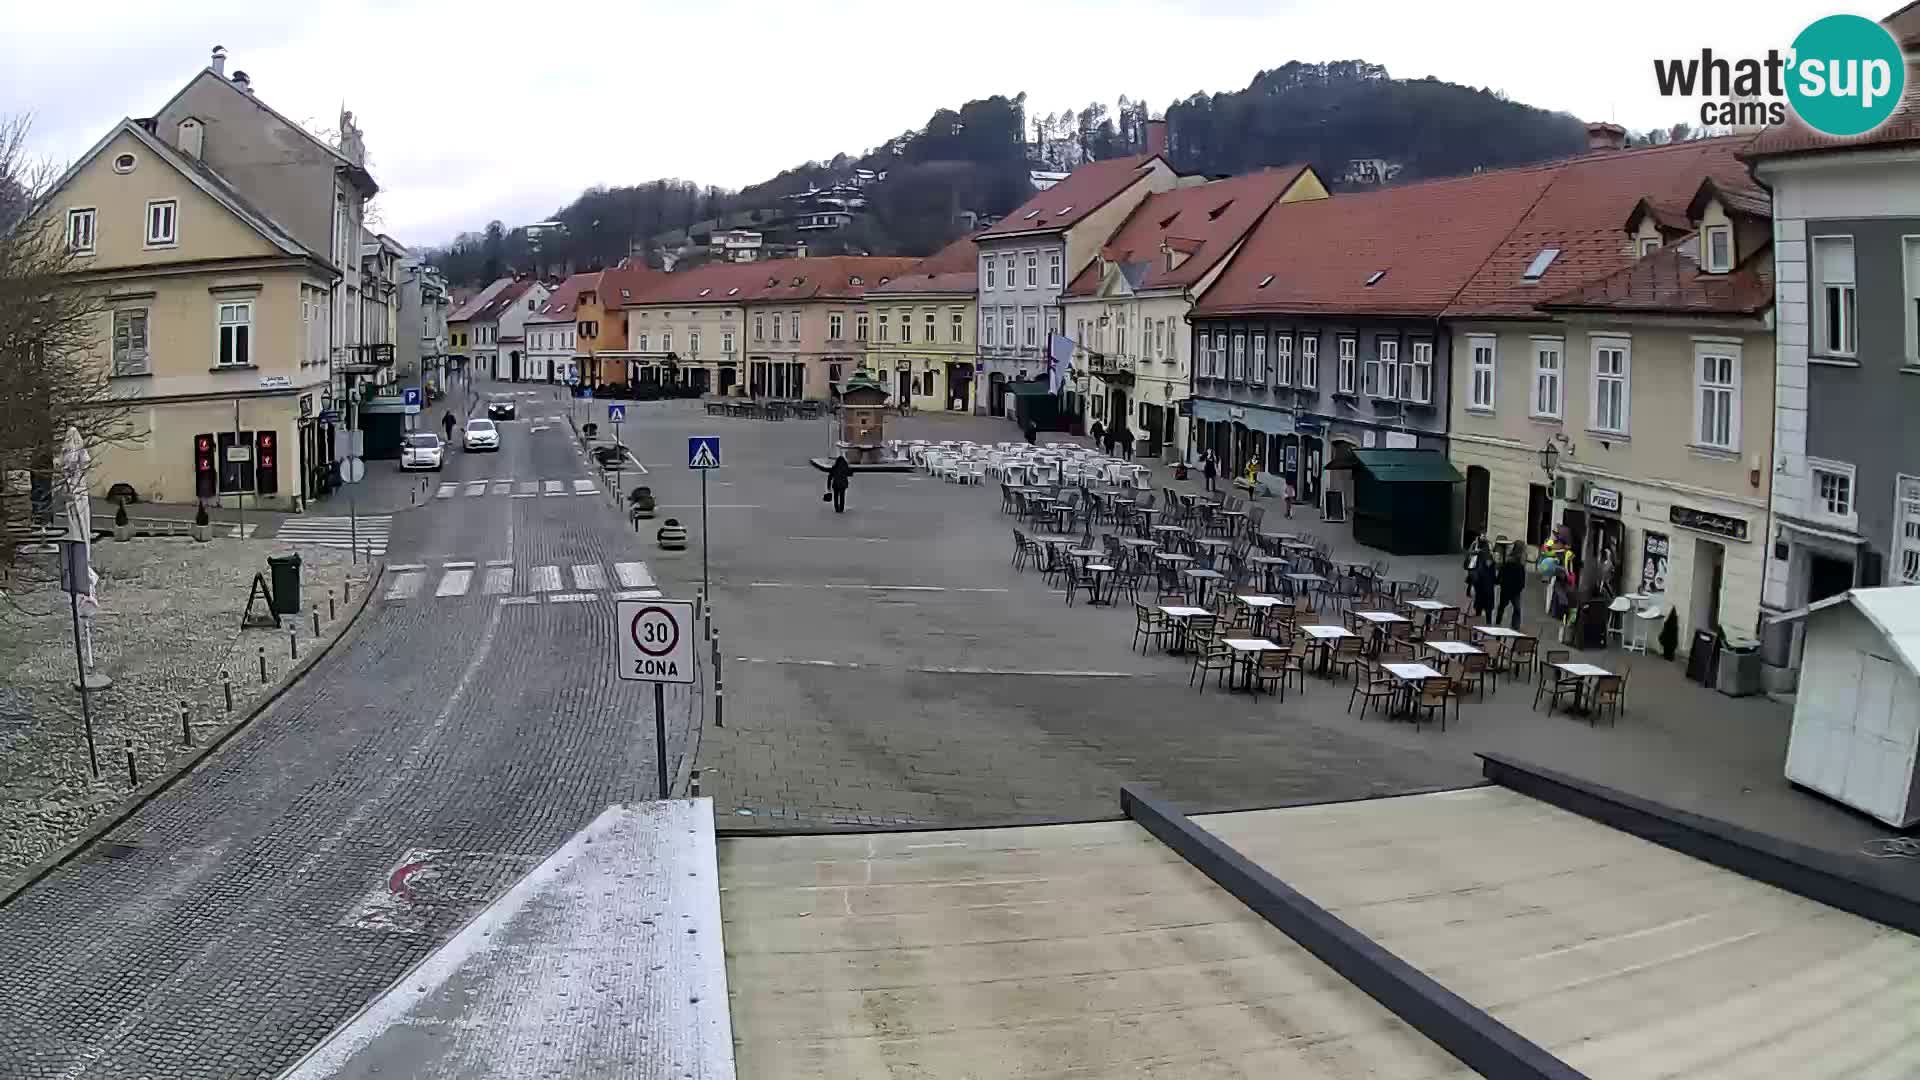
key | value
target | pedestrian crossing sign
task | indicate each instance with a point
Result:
(703, 451)
(616, 413)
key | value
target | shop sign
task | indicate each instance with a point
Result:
(1653, 564)
(1687, 517)
(903, 365)
(1600, 498)
(275, 382)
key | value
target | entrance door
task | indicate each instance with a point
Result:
(1827, 577)
(1478, 481)
(997, 394)
(1709, 564)
(903, 386)
(1539, 514)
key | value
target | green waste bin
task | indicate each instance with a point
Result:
(285, 571)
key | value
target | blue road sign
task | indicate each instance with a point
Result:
(586, 393)
(703, 451)
(616, 413)
(410, 396)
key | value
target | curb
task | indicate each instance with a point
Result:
(130, 805)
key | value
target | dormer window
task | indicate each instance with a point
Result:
(1649, 245)
(797, 281)
(856, 280)
(1538, 267)
(1716, 243)
(1214, 214)
(1374, 278)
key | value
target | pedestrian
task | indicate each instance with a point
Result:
(1126, 441)
(1101, 438)
(1513, 582)
(1032, 433)
(837, 479)
(1482, 579)
(447, 423)
(1208, 470)
(1292, 493)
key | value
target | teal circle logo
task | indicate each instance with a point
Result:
(1847, 75)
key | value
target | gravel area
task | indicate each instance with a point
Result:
(169, 624)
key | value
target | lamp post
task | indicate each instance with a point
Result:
(1549, 460)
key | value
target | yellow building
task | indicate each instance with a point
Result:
(920, 340)
(214, 320)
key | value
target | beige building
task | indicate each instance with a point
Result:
(215, 320)
(808, 323)
(921, 339)
(1650, 392)
(685, 326)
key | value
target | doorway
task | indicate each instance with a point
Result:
(1310, 476)
(1826, 577)
(1709, 566)
(903, 384)
(1539, 514)
(1478, 481)
(996, 394)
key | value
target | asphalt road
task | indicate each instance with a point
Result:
(458, 734)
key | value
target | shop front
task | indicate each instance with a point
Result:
(1402, 499)
(959, 386)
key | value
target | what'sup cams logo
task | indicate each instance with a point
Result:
(1843, 76)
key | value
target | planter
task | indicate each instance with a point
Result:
(123, 533)
(203, 533)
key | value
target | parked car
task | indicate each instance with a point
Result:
(480, 435)
(502, 409)
(422, 451)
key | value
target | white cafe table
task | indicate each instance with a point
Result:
(1246, 652)
(1180, 613)
(1324, 637)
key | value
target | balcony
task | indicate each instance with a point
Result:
(1110, 367)
(367, 359)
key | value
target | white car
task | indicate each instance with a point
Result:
(422, 450)
(480, 435)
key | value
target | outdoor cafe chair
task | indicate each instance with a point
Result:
(1209, 656)
(1150, 626)
(1273, 667)
(1473, 671)
(1522, 654)
(1434, 693)
(1021, 550)
(1376, 686)
(1347, 656)
(1609, 692)
(1553, 683)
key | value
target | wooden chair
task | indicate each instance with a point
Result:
(1211, 657)
(1273, 668)
(1473, 671)
(1348, 655)
(1554, 684)
(1609, 692)
(1149, 626)
(1299, 654)
(1523, 653)
(1376, 686)
(1432, 700)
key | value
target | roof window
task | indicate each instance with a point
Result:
(1030, 215)
(625, 295)
(797, 281)
(1538, 267)
(1214, 214)
(1066, 209)
(1265, 281)
(733, 290)
(704, 292)
(1374, 278)
(855, 280)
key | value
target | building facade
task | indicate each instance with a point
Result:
(552, 334)
(465, 337)
(601, 325)
(804, 318)
(425, 304)
(687, 328)
(921, 330)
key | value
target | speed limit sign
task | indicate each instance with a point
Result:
(656, 640)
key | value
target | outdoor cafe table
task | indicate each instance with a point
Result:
(1431, 607)
(1450, 649)
(1267, 564)
(1205, 579)
(1380, 620)
(1323, 639)
(1409, 676)
(1259, 606)
(1102, 580)
(1586, 673)
(1180, 613)
(1246, 653)
(1501, 636)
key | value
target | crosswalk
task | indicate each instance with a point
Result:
(516, 489)
(573, 583)
(370, 532)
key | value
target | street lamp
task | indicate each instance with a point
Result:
(1549, 458)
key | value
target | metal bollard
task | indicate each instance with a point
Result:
(262, 652)
(699, 605)
(186, 727)
(412, 497)
(293, 644)
(719, 705)
(316, 620)
(331, 615)
(693, 788)
(133, 770)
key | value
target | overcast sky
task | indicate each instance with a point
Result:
(484, 110)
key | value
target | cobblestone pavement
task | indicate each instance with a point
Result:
(168, 627)
(419, 768)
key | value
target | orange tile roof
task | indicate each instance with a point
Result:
(1795, 137)
(1670, 282)
(1204, 221)
(771, 281)
(1063, 205)
(564, 302)
(954, 268)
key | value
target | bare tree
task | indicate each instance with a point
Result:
(54, 369)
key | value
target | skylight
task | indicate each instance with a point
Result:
(1066, 209)
(1266, 281)
(1214, 214)
(704, 292)
(625, 295)
(1030, 215)
(1374, 278)
(1538, 267)
(733, 290)
(856, 280)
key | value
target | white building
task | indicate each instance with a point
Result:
(551, 332)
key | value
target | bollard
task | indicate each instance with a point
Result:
(316, 620)
(331, 615)
(293, 644)
(346, 591)
(262, 652)
(186, 727)
(411, 496)
(133, 770)
(693, 789)
(719, 705)
(699, 604)
(226, 684)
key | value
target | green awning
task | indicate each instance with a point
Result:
(1029, 389)
(1407, 466)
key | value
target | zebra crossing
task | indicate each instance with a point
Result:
(573, 583)
(516, 489)
(369, 531)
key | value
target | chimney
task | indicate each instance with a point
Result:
(192, 136)
(219, 64)
(1604, 136)
(245, 84)
(1156, 136)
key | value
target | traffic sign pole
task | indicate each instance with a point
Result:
(660, 736)
(655, 644)
(706, 587)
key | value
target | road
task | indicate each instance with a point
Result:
(467, 725)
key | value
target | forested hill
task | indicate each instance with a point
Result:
(1351, 119)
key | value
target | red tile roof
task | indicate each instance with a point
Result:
(626, 281)
(953, 269)
(1429, 238)
(474, 302)
(771, 281)
(1580, 213)
(1669, 281)
(1795, 137)
(564, 302)
(502, 300)
(1205, 221)
(1085, 190)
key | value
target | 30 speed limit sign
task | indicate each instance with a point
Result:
(656, 640)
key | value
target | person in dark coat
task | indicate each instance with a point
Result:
(837, 478)
(1101, 437)
(1513, 582)
(1032, 432)
(447, 422)
(1208, 469)
(1481, 581)
(1126, 441)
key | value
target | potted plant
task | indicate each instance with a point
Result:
(641, 502)
(1670, 634)
(122, 528)
(202, 526)
(589, 430)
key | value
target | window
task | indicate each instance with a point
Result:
(130, 342)
(986, 328)
(906, 327)
(1547, 354)
(860, 327)
(1537, 269)
(162, 218)
(1480, 386)
(1238, 369)
(1220, 355)
(693, 343)
(1716, 396)
(1033, 329)
(1912, 254)
(1033, 269)
(1833, 282)
(1120, 339)
(793, 324)
(1053, 268)
(1258, 373)
(776, 327)
(1283, 360)
(834, 325)
(1906, 526)
(958, 326)
(666, 341)
(759, 328)
(1347, 374)
(1006, 266)
(1649, 245)
(932, 331)
(1006, 327)
(986, 270)
(1612, 367)
(1053, 323)
(80, 231)
(886, 328)
(125, 163)
(1718, 241)
(726, 342)
(236, 333)
(1832, 489)
(1160, 339)
(640, 343)
(1310, 362)
(1418, 385)
(1381, 378)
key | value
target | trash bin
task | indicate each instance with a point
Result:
(1701, 657)
(285, 570)
(1776, 643)
(1739, 667)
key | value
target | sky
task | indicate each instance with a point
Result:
(482, 110)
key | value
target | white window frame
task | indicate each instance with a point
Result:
(132, 361)
(1237, 358)
(1220, 354)
(1726, 393)
(793, 324)
(726, 342)
(170, 218)
(1544, 378)
(1649, 245)
(860, 327)
(1347, 351)
(1053, 268)
(759, 328)
(1910, 276)
(1030, 324)
(1257, 373)
(223, 329)
(693, 343)
(1383, 371)
(1906, 529)
(1052, 324)
(666, 340)
(1483, 379)
(1707, 237)
(932, 320)
(1817, 503)
(988, 275)
(1847, 295)
(836, 325)
(1420, 370)
(1033, 269)
(1309, 361)
(1598, 344)
(1007, 329)
(906, 328)
(640, 342)
(987, 336)
(1120, 339)
(1283, 359)
(82, 222)
(884, 329)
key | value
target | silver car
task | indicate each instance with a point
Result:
(421, 450)
(480, 435)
